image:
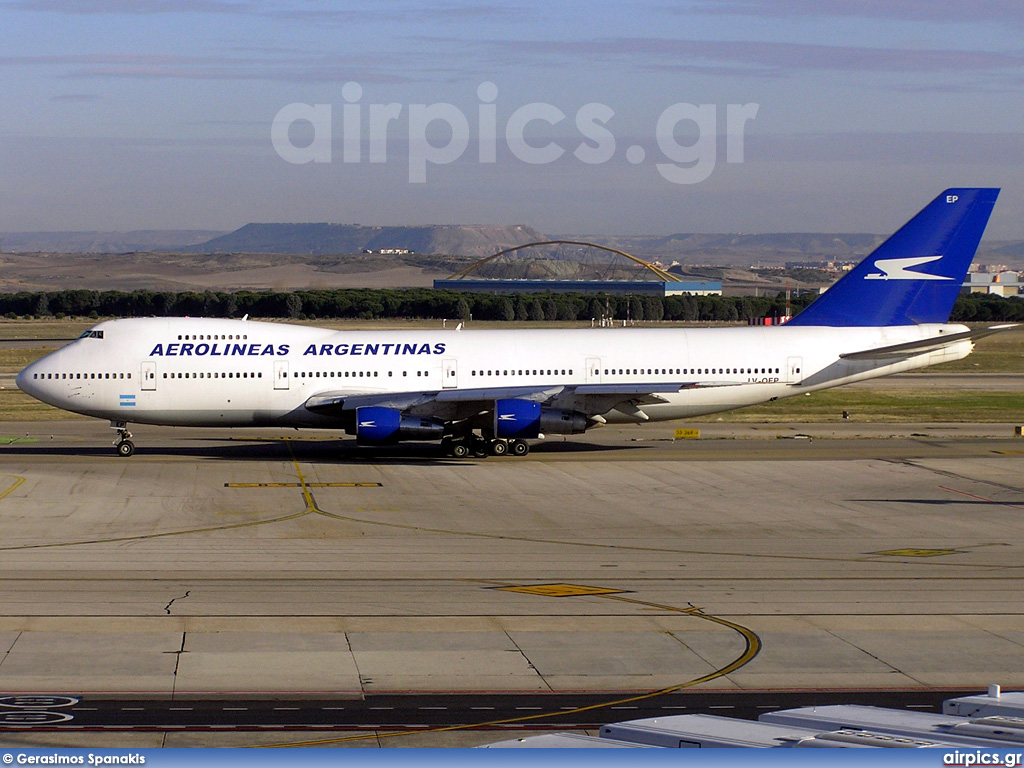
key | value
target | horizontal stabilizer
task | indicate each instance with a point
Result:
(921, 346)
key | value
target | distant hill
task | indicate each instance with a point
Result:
(1012, 251)
(774, 247)
(813, 242)
(326, 239)
(742, 248)
(103, 242)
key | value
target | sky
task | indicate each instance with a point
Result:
(572, 117)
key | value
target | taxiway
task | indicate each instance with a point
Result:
(273, 565)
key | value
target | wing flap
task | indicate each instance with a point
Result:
(649, 388)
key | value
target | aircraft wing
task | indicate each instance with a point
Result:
(328, 402)
(591, 399)
(911, 348)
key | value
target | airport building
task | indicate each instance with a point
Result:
(1005, 283)
(572, 266)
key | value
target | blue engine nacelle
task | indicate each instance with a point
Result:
(525, 420)
(516, 419)
(382, 426)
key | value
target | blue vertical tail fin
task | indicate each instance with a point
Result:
(914, 276)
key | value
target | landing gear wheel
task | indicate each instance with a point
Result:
(499, 447)
(480, 448)
(519, 447)
(460, 450)
(123, 443)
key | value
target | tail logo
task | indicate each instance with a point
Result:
(902, 269)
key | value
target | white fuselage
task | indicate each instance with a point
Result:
(230, 373)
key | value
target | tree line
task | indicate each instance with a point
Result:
(371, 304)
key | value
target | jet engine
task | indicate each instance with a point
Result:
(526, 420)
(382, 426)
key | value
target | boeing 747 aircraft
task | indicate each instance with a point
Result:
(491, 391)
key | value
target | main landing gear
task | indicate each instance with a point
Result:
(481, 447)
(125, 447)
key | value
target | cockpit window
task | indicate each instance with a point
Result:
(92, 335)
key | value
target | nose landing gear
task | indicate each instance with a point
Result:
(125, 447)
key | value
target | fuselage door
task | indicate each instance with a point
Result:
(148, 375)
(593, 370)
(450, 374)
(281, 374)
(794, 369)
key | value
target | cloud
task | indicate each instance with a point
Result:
(74, 98)
(758, 57)
(450, 13)
(131, 7)
(938, 11)
(444, 13)
(426, 59)
(889, 148)
(278, 67)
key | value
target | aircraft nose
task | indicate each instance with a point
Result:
(24, 379)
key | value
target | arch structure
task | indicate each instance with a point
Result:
(658, 273)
